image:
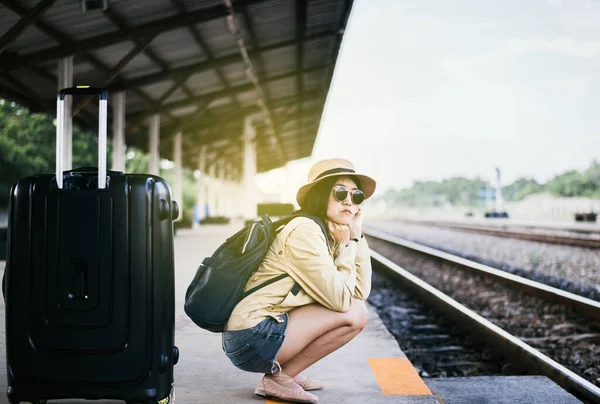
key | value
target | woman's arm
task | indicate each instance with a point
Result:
(363, 257)
(330, 283)
(363, 270)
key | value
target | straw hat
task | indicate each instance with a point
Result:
(330, 168)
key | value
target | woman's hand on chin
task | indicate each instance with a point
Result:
(356, 224)
(340, 232)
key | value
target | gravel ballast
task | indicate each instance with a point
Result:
(573, 269)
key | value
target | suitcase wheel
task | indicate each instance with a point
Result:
(170, 399)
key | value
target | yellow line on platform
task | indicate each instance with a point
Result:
(398, 377)
(395, 376)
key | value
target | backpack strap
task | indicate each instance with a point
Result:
(262, 285)
(282, 222)
(276, 226)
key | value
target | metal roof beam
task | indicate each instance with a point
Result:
(251, 74)
(24, 23)
(140, 41)
(205, 99)
(178, 83)
(31, 99)
(216, 63)
(63, 38)
(202, 44)
(123, 26)
(43, 106)
(114, 72)
(231, 92)
(217, 136)
(183, 124)
(338, 41)
(262, 71)
(301, 9)
(92, 59)
(101, 41)
(12, 95)
(205, 122)
(202, 121)
(217, 133)
(221, 153)
(40, 105)
(265, 159)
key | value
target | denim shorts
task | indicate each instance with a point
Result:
(255, 349)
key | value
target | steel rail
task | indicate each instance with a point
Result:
(495, 337)
(523, 235)
(580, 304)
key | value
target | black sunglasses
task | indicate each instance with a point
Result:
(340, 194)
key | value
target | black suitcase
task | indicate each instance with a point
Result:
(90, 283)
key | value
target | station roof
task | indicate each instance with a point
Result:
(203, 65)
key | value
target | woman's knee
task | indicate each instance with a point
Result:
(358, 315)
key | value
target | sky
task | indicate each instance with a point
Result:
(431, 89)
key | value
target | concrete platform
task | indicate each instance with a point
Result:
(500, 390)
(205, 375)
(369, 369)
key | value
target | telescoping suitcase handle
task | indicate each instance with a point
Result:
(60, 129)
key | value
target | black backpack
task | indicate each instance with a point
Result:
(219, 281)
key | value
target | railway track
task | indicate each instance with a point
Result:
(571, 238)
(539, 328)
(435, 344)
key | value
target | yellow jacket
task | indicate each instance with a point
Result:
(299, 250)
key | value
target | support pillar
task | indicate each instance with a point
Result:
(228, 191)
(236, 194)
(65, 79)
(201, 186)
(240, 202)
(177, 177)
(250, 191)
(222, 188)
(154, 158)
(118, 155)
(289, 188)
(212, 193)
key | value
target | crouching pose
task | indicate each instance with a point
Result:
(288, 325)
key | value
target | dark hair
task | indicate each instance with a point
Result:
(317, 199)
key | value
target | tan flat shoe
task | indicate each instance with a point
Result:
(283, 387)
(307, 383)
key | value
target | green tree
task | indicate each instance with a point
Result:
(572, 183)
(460, 191)
(592, 179)
(136, 161)
(457, 191)
(521, 188)
(28, 146)
(189, 192)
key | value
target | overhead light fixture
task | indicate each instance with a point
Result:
(87, 5)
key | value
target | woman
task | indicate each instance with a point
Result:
(285, 327)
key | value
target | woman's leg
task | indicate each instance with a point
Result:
(314, 331)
